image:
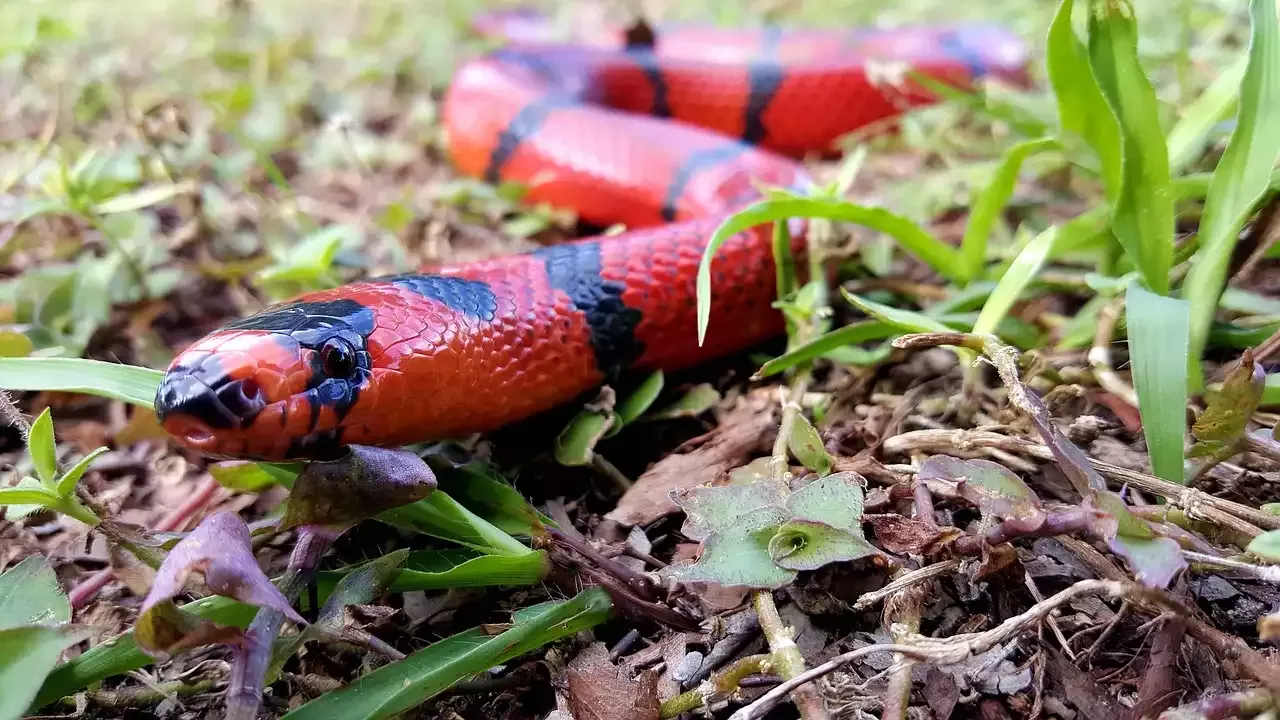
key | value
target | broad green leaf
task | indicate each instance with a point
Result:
(136, 385)
(1154, 559)
(834, 500)
(67, 483)
(40, 445)
(1158, 338)
(1082, 108)
(806, 445)
(27, 654)
(1266, 546)
(1143, 214)
(1187, 138)
(808, 545)
(405, 684)
(1242, 176)
(30, 595)
(1271, 391)
(735, 524)
(635, 404)
(782, 205)
(1251, 303)
(818, 347)
(991, 200)
(1015, 279)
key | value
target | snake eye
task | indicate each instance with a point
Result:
(337, 358)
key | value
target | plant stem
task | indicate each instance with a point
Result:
(718, 685)
(249, 669)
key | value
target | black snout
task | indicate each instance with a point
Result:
(227, 404)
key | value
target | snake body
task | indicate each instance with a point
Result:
(667, 139)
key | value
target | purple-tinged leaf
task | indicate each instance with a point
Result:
(219, 548)
(992, 487)
(1222, 425)
(1154, 559)
(339, 494)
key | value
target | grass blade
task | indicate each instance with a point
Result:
(840, 337)
(1187, 138)
(1143, 214)
(992, 199)
(1082, 108)
(395, 688)
(135, 385)
(783, 205)
(1242, 175)
(1158, 340)
(1021, 272)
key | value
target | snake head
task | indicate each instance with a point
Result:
(274, 385)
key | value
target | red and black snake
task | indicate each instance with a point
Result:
(666, 138)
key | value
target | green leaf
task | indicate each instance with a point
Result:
(782, 205)
(808, 545)
(142, 198)
(575, 446)
(908, 320)
(1143, 214)
(27, 654)
(136, 385)
(635, 404)
(67, 483)
(1158, 338)
(1015, 279)
(735, 524)
(1266, 546)
(251, 477)
(1222, 425)
(40, 445)
(33, 494)
(784, 261)
(433, 570)
(1082, 108)
(1271, 391)
(400, 686)
(806, 445)
(1242, 176)
(1187, 138)
(699, 399)
(839, 338)
(991, 200)
(485, 492)
(14, 344)
(30, 595)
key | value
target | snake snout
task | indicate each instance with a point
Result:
(222, 404)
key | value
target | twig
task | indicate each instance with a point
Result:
(1269, 573)
(1220, 707)
(902, 614)
(952, 650)
(1159, 685)
(1261, 445)
(249, 668)
(1100, 355)
(928, 572)
(135, 698)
